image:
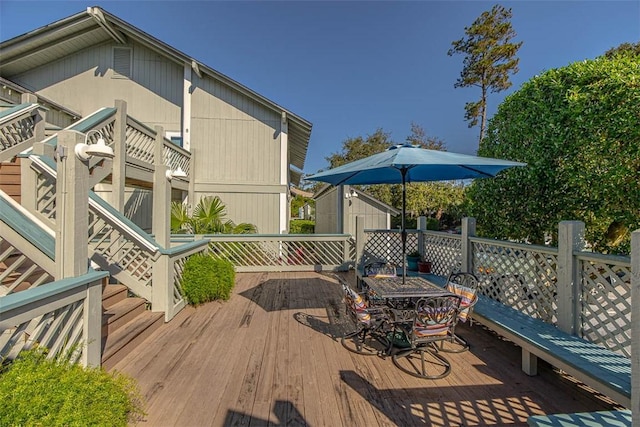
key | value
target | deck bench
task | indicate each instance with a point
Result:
(594, 419)
(603, 370)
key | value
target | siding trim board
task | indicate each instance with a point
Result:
(240, 188)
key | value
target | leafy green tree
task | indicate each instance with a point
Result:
(490, 56)
(578, 130)
(632, 49)
(209, 217)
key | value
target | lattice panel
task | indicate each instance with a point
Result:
(444, 252)
(16, 131)
(387, 246)
(17, 272)
(606, 304)
(521, 278)
(279, 253)
(111, 245)
(140, 145)
(175, 158)
(60, 331)
(46, 196)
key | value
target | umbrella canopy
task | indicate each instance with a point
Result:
(407, 163)
(419, 164)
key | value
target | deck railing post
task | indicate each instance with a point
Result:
(92, 331)
(570, 239)
(162, 292)
(422, 227)
(359, 240)
(72, 208)
(119, 162)
(192, 182)
(635, 327)
(72, 249)
(468, 231)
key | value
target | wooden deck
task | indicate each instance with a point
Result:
(271, 356)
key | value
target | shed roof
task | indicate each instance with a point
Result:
(95, 26)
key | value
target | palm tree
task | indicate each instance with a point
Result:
(209, 217)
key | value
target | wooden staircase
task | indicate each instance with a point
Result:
(125, 323)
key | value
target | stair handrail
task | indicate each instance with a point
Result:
(106, 211)
(17, 129)
(28, 248)
(32, 317)
(141, 140)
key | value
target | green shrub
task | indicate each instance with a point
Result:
(433, 224)
(206, 279)
(302, 226)
(37, 391)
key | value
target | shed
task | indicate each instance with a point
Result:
(338, 207)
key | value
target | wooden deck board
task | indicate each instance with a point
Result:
(271, 355)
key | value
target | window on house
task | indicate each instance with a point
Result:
(174, 137)
(122, 62)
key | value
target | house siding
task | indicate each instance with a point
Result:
(85, 81)
(236, 141)
(260, 210)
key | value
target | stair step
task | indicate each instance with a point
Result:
(112, 294)
(122, 341)
(121, 313)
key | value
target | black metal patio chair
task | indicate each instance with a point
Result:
(415, 349)
(465, 285)
(369, 320)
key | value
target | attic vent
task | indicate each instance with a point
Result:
(122, 62)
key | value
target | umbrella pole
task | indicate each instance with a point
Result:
(403, 233)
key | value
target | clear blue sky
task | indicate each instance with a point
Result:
(353, 67)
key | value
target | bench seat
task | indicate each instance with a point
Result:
(590, 419)
(605, 371)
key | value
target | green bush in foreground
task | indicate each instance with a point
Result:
(206, 279)
(302, 226)
(36, 391)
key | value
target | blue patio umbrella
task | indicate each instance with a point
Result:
(401, 164)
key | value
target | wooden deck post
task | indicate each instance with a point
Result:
(570, 239)
(72, 207)
(422, 227)
(468, 230)
(359, 240)
(72, 249)
(162, 293)
(119, 162)
(192, 183)
(635, 327)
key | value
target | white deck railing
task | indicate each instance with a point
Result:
(63, 316)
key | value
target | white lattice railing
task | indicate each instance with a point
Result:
(55, 316)
(386, 245)
(177, 257)
(115, 244)
(605, 305)
(27, 248)
(444, 250)
(17, 129)
(141, 142)
(521, 276)
(283, 252)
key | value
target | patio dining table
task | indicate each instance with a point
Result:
(389, 288)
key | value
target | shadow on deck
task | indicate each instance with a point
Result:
(272, 356)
